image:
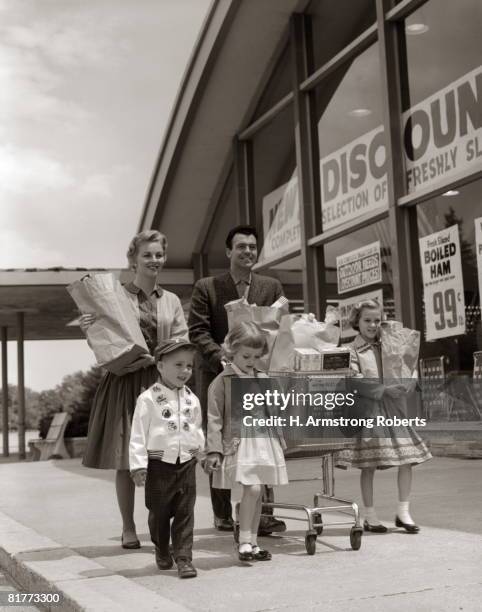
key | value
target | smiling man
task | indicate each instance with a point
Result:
(208, 326)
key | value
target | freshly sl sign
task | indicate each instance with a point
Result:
(443, 287)
(359, 268)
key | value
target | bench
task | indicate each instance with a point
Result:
(53, 447)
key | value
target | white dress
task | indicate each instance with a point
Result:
(259, 459)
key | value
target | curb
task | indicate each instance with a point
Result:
(39, 564)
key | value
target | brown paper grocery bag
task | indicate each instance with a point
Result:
(115, 336)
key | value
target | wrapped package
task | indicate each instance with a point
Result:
(267, 317)
(115, 336)
(400, 348)
(307, 360)
(301, 332)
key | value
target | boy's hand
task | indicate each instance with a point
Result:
(139, 477)
(213, 462)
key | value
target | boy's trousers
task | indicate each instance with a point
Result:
(171, 493)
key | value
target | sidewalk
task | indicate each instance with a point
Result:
(59, 530)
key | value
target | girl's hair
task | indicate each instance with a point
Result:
(245, 334)
(356, 311)
(141, 237)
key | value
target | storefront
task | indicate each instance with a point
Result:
(358, 155)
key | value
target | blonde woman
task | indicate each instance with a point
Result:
(160, 317)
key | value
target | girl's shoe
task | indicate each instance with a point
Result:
(260, 554)
(409, 527)
(245, 555)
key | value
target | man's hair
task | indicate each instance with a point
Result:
(247, 230)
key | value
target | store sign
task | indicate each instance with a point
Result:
(443, 134)
(443, 284)
(478, 251)
(354, 179)
(345, 306)
(442, 139)
(281, 221)
(359, 268)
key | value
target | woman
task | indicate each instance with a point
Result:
(381, 448)
(160, 317)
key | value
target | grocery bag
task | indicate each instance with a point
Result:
(266, 317)
(301, 331)
(115, 336)
(400, 348)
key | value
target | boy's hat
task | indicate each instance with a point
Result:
(168, 346)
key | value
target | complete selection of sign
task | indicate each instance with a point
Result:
(346, 305)
(359, 268)
(443, 284)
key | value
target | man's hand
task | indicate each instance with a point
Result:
(139, 477)
(213, 462)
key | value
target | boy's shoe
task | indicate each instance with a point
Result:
(222, 524)
(163, 562)
(185, 568)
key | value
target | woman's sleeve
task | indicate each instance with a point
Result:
(178, 325)
(216, 399)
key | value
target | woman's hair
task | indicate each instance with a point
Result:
(145, 236)
(356, 311)
(245, 334)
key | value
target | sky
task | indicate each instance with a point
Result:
(86, 89)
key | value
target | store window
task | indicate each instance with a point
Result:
(353, 160)
(276, 187)
(442, 120)
(450, 227)
(357, 266)
(279, 84)
(337, 24)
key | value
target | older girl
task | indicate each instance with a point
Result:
(252, 461)
(160, 317)
(392, 446)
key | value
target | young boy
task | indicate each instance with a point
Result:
(166, 438)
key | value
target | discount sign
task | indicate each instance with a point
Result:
(443, 284)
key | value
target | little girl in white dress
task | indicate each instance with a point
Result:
(251, 460)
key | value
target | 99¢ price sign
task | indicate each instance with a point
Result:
(443, 286)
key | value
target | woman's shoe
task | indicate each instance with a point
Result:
(261, 554)
(409, 527)
(374, 528)
(130, 545)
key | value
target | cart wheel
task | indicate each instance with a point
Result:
(310, 543)
(236, 533)
(355, 537)
(318, 519)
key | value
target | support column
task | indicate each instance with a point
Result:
(5, 432)
(307, 161)
(402, 220)
(244, 182)
(21, 384)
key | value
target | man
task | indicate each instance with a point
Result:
(208, 326)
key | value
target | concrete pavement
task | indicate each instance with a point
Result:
(60, 530)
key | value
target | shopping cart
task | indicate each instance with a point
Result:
(315, 515)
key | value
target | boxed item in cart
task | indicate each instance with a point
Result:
(307, 360)
(336, 361)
